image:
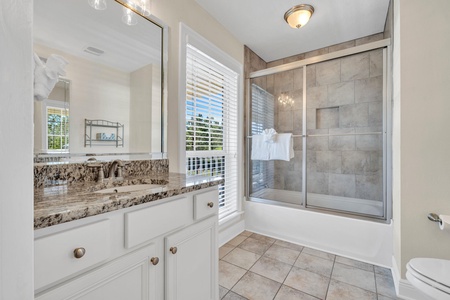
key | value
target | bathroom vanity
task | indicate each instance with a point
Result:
(143, 233)
(157, 243)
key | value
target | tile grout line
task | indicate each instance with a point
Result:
(230, 290)
(272, 243)
(234, 247)
(300, 252)
(331, 276)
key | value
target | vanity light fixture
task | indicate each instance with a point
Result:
(131, 7)
(98, 4)
(129, 17)
(299, 15)
(141, 7)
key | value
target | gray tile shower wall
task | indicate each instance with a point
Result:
(344, 96)
(66, 173)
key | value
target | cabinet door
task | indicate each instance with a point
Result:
(130, 277)
(192, 262)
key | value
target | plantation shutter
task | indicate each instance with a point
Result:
(211, 124)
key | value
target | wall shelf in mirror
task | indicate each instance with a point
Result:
(93, 137)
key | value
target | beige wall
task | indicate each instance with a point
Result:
(172, 12)
(421, 130)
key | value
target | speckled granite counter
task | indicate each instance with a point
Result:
(64, 203)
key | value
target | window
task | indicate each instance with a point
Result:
(262, 117)
(212, 124)
(57, 129)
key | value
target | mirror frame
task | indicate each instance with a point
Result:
(77, 157)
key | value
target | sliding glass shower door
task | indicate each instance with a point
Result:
(336, 112)
(344, 142)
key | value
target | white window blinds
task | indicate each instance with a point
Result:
(211, 124)
(263, 107)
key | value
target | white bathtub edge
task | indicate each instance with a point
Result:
(362, 240)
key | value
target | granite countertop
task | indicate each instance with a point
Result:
(64, 203)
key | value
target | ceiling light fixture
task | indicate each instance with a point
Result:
(299, 15)
(98, 4)
(285, 100)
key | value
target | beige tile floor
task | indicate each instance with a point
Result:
(254, 266)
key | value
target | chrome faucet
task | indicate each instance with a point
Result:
(116, 165)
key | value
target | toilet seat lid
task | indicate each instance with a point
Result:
(435, 269)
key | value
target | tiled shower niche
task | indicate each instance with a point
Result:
(344, 128)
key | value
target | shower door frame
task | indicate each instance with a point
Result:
(384, 44)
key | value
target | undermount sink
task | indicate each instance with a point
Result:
(129, 188)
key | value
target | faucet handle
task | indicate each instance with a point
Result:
(101, 173)
(119, 171)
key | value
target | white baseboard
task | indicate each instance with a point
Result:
(230, 229)
(404, 289)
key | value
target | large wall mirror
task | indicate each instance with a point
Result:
(110, 94)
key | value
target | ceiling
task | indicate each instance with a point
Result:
(72, 25)
(260, 24)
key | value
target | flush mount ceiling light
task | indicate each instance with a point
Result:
(299, 15)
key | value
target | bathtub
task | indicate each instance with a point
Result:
(367, 241)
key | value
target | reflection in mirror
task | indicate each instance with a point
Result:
(51, 120)
(114, 73)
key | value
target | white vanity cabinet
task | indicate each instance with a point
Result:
(131, 276)
(162, 250)
(191, 261)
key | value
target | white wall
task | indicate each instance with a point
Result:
(110, 102)
(189, 12)
(421, 128)
(16, 149)
(145, 115)
(140, 109)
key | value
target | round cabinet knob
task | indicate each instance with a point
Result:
(211, 204)
(154, 260)
(173, 250)
(79, 252)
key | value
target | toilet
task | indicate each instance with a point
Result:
(431, 276)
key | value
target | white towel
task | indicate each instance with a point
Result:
(260, 149)
(46, 75)
(269, 135)
(283, 148)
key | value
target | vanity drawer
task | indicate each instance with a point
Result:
(206, 204)
(145, 224)
(55, 255)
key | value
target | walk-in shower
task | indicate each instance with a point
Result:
(335, 106)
